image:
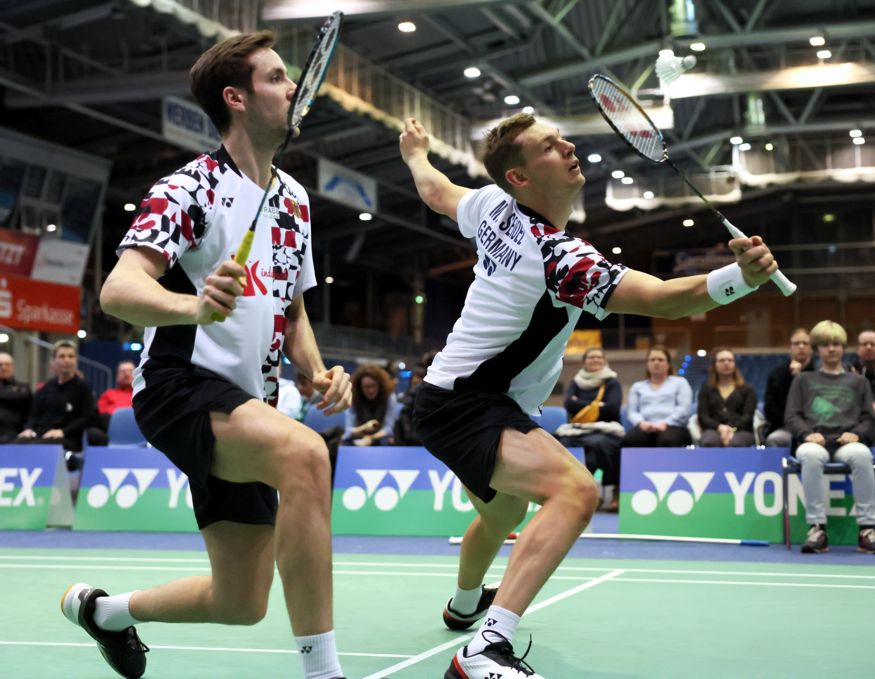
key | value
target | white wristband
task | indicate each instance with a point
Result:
(727, 284)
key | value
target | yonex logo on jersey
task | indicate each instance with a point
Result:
(385, 498)
(494, 675)
(25, 495)
(227, 202)
(680, 501)
(489, 265)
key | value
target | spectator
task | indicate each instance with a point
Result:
(864, 364)
(659, 407)
(726, 405)
(829, 413)
(594, 397)
(121, 396)
(296, 398)
(405, 435)
(778, 386)
(64, 406)
(309, 395)
(15, 398)
(371, 419)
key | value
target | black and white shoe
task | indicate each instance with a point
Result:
(496, 660)
(458, 622)
(124, 651)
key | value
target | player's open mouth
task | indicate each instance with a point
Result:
(575, 167)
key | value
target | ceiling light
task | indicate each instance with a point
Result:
(688, 222)
(329, 280)
(627, 180)
(817, 41)
(472, 72)
(365, 216)
(701, 353)
(823, 54)
(697, 46)
(407, 27)
(594, 158)
(858, 140)
(616, 250)
(648, 195)
(130, 207)
(4, 338)
(419, 299)
(744, 147)
(51, 228)
(529, 109)
(736, 140)
(511, 100)
(856, 133)
(618, 174)
(828, 217)
(81, 334)
(770, 146)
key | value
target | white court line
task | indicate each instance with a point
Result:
(461, 641)
(211, 649)
(817, 585)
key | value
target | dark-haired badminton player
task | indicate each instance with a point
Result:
(204, 390)
(531, 283)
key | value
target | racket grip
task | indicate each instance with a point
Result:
(241, 256)
(784, 284)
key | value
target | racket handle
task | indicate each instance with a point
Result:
(241, 257)
(784, 284)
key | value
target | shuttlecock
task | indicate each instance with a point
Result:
(669, 67)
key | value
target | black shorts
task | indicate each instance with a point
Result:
(463, 429)
(173, 412)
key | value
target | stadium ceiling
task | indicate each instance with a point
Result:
(91, 75)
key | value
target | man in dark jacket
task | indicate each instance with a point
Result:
(864, 364)
(778, 386)
(15, 400)
(64, 406)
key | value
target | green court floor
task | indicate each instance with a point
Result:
(595, 618)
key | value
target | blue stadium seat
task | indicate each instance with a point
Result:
(552, 417)
(317, 420)
(123, 429)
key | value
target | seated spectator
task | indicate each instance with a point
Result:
(371, 419)
(404, 432)
(15, 398)
(593, 400)
(864, 364)
(778, 386)
(64, 407)
(726, 405)
(829, 413)
(309, 395)
(121, 396)
(660, 406)
(296, 398)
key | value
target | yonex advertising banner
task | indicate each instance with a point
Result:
(721, 493)
(132, 489)
(34, 487)
(397, 490)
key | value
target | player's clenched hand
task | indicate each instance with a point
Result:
(221, 290)
(336, 390)
(755, 259)
(413, 141)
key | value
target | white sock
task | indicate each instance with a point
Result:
(113, 614)
(465, 600)
(319, 655)
(498, 620)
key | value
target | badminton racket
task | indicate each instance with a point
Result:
(307, 88)
(635, 127)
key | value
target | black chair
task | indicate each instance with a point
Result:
(791, 465)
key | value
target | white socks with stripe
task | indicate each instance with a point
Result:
(498, 620)
(319, 654)
(113, 614)
(465, 600)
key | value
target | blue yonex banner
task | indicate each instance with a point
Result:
(34, 487)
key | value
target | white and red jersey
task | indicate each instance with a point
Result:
(532, 281)
(196, 218)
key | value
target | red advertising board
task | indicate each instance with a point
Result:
(36, 305)
(17, 251)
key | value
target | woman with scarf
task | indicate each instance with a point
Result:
(371, 419)
(593, 400)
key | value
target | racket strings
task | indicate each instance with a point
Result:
(632, 124)
(314, 72)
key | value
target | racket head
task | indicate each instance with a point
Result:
(627, 118)
(314, 69)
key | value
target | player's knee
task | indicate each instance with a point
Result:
(244, 612)
(584, 493)
(304, 460)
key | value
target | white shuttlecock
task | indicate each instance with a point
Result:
(669, 67)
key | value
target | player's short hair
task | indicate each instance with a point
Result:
(503, 151)
(226, 64)
(63, 344)
(826, 332)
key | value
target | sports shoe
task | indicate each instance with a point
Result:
(124, 651)
(496, 660)
(866, 541)
(816, 541)
(458, 622)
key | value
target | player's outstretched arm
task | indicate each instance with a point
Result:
(132, 292)
(645, 295)
(434, 187)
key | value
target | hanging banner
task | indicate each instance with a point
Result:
(35, 305)
(347, 187)
(60, 261)
(17, 251)
(186, 125)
